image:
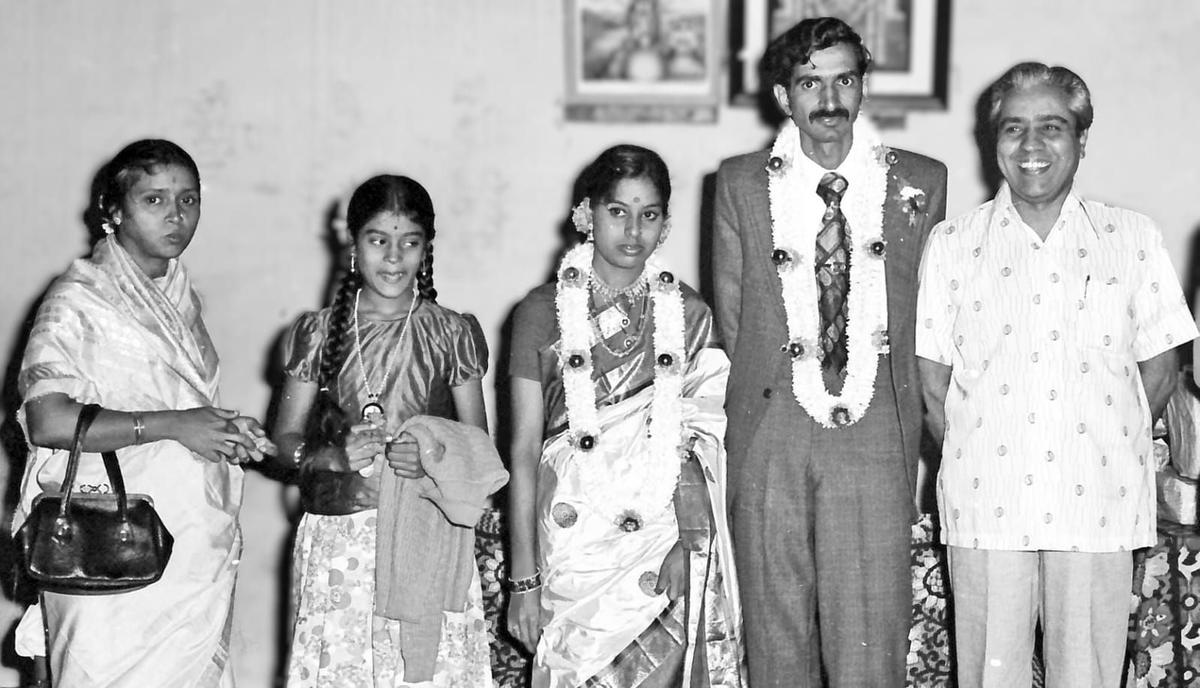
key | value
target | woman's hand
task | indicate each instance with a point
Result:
(404, 457)
(252, 430)
(673, 575)
(364, 442)
(524, 617)
(212, 433)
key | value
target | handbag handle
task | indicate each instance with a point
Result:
(87, 414)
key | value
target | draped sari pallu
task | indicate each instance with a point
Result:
(108, 334)
(606, 624)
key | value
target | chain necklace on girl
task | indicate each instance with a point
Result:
(372, 411)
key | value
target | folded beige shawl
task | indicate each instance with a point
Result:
(425, 549)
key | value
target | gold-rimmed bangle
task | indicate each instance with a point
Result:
(517, 586)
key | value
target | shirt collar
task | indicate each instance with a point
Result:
(851, 168)
(1073, 206)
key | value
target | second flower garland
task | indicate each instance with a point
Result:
(625, 504)
(866, 320)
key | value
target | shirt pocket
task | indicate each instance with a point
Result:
(1104, 326)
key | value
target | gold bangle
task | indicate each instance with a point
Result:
(139, 427)
(298, 454)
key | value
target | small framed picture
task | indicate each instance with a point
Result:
(909, 42)
(643, 60)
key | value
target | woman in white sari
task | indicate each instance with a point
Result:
(620, 557)
(122, 329)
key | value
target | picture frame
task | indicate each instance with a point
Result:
(644, 60)
(909, 42)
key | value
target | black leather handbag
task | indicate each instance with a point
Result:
(93, 544)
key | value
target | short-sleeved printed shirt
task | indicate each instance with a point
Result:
(1048, 441)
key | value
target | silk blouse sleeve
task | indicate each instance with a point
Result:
(302, 347)
(534, 330)
(469, 359)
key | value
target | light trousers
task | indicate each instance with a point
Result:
(1082, 598)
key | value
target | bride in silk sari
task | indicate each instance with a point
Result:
(123, 329)
(620, 556)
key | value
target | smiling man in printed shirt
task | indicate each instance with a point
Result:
(816, 247)
(1046, 327)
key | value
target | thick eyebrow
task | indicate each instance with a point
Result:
(1040, 119)
(163, 190)
(818, 77)
(1053, 118)
(626, 205)
(384, 233)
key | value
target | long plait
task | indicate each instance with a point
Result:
(327, 424)
(425, 276)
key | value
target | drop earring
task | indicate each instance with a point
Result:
(353, 266)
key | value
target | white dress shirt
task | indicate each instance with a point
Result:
(1048, 441)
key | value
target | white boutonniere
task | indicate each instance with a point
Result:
(912, 202)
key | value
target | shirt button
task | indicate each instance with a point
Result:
(767, 393)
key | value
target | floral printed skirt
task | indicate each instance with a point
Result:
(338, 641)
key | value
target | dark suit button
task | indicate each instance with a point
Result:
(767, 393)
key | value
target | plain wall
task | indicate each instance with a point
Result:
(287, 104)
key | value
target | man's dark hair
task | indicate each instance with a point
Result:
(797, 45)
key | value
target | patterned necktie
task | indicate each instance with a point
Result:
(833, 271)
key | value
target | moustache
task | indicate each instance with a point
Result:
(834, 112)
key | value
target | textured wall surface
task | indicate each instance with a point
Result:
(287, 104)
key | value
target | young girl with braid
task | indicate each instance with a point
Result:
(360, 373)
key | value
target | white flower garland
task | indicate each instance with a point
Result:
(795, 256)
(628, 502)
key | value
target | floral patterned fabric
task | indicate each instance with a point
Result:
(338, 642)
(929, 650)
(929, 655)
(1164, 634)
(510, 666)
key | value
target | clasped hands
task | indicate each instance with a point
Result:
(218, 434)
(368, 444)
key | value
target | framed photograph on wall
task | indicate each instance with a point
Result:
(909, 41)
(643, 60)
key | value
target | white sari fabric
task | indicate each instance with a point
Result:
(605, 624)
(109, 334)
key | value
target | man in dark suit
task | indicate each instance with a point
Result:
(816, 248)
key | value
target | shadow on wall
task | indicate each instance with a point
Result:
(336, 244)
(985, 141)
(14, 446)
(1191, 285)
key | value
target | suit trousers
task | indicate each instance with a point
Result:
(1083, 599)
(822, 537)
